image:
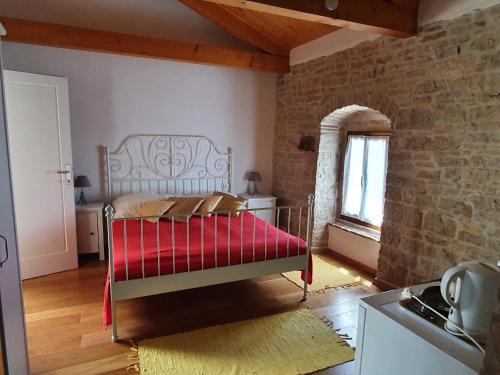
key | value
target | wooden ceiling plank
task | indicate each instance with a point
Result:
(269, 25)
(55, 35)
(291, 32)
(274, 34)
(376, 16)
(244, 31)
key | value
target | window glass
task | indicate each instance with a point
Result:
(353, 173)
(376, 166)
(365, 168)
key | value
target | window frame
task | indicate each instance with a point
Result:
(371, 133)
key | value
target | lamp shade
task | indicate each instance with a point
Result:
(82, 182)
(254, 176)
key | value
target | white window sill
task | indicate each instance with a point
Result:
(357, 229)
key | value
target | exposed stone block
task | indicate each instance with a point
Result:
(485, 42)
(440, 224)
(473, 238)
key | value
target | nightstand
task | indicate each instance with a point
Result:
(90, 229)
(262, 201)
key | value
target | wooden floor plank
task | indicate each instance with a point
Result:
(64, 315)
(98, 366)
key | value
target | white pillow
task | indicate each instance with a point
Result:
(129, 205)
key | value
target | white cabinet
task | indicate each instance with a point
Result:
(392, 340)
(89, 229)
(262, 201)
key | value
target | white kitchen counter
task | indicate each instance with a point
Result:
(394, 340)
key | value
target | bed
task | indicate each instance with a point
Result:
(147, 258)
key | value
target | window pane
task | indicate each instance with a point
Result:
(353, 172)
(376, 166)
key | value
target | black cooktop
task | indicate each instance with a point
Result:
(432, 297)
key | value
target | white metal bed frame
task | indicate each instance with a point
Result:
(187, 165)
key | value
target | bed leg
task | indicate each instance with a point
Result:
(310, 204)
(114, 336)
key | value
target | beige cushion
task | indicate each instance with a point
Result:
(154, 208)
(129, 205)
(184, 206)
(229, 202)
(209, 204)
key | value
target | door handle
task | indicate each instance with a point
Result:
(67, 173)
(6, 251)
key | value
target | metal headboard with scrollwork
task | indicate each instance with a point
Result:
(168, 164)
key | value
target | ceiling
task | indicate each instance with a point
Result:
(267, 35)
(248, 34)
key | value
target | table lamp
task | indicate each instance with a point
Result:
(82, 182)
(253, 177)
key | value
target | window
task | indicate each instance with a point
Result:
(365, 169)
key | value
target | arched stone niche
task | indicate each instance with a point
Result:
(332, 143)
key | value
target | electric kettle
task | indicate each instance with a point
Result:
(471, 290)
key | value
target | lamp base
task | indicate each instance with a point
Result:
(252, 188)
(82, 201)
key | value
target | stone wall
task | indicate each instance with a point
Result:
(441, 91)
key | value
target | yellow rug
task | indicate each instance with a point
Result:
(296, 342)
(325, 276)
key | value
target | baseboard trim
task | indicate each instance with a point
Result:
(384, 285)
(345, 259)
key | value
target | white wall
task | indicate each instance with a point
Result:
(361, 249)
(328, 45)
(115, 96)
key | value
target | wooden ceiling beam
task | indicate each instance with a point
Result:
(376, 16)
(223, 17)
(411, 4)
(55, 35)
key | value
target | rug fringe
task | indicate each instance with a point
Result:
(343, 336)
(133, 357)
(327, 288)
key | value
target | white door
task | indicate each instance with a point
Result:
(40, 149)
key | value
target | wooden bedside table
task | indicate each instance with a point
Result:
(90, 229)
(262, 201)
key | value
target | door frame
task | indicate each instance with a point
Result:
(15, 351)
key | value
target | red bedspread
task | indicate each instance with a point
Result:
(270, 243)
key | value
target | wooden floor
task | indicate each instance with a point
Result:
(64, 316)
